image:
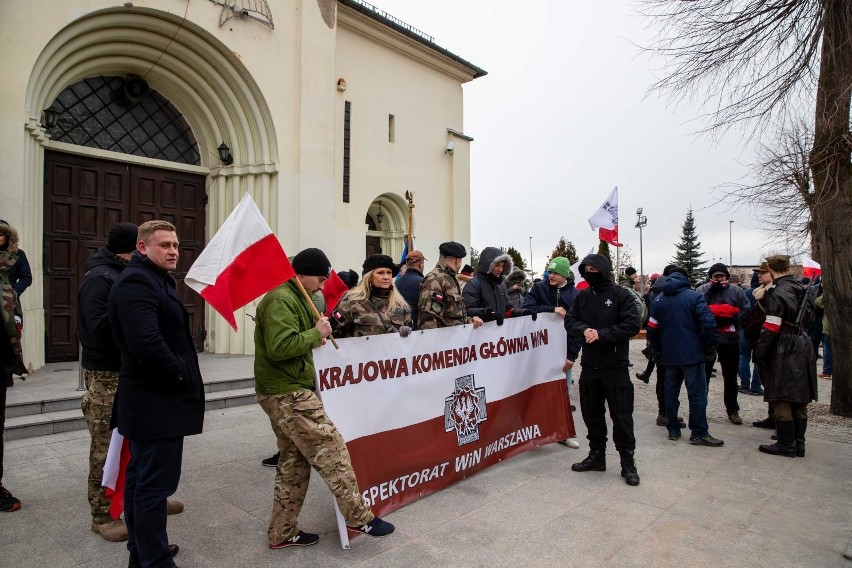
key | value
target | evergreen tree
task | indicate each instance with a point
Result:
(563, 248)
(603, 249)
(688, 250)
(474, 258)
(520, 264)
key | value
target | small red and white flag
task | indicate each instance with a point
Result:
(118, 456)
(605, 219)
(811, 268)
(243, 261)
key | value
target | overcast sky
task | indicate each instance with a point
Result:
(563, 116)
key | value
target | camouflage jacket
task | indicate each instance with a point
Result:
(357, 318)
(441, 303)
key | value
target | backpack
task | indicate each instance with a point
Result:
(640, 305)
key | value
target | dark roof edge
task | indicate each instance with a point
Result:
(477, 72)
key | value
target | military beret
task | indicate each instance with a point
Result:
(453, 249)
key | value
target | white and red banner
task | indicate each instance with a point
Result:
(605, 219)
(242, 261)
(422, 412)
(115, 468)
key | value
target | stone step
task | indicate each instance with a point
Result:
(72, 401)
(43, 423)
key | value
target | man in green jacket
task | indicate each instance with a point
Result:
(285, 335)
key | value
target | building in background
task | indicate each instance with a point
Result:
(325, 111)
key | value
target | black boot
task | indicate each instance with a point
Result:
(628, 468)
(786, 444)
(768, 423)
(595, 461)
(801, 425)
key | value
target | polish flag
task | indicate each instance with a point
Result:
(333, 290)
(605, 219)
(811, 268)
(242, 261)
(118, 456)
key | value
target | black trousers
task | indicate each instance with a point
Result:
(3, 388)
(600, 388)
(729, 359)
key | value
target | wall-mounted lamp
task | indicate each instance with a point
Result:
(380, 216)
(450, 147)
(225, 154)
(49, 117)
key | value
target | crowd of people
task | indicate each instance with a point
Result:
(139, 361)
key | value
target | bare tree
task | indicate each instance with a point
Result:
(757, 62)
(780, 193)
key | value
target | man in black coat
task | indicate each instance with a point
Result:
(409, 283)
(787, 358)
(160, 395)
(605, 316)
(485, 296)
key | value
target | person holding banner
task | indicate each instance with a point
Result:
(374, 306)
(285, 335)
(441, 303)
(605, 316)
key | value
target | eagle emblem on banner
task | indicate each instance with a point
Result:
(465, 409)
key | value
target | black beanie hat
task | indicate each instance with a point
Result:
(122, 238)
(718, 268)
(312, 262)
(349, 277)
(375, 261)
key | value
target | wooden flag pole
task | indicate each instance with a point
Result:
(313, 307)
(409, 196)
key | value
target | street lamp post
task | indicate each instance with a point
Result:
(730, 243)
(641, 221)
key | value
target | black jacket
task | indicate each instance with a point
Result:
(785, 353)
(100, 351)
(611, 310)
(484, 296)
(409, 286)
(545, 298)
(21, 276)
(160, 391)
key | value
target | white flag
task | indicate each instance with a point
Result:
(606, 217)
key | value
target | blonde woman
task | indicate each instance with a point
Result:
(374, 306)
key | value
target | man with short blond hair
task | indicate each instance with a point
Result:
(160, 397)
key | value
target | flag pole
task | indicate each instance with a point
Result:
(409, 196)
(313, 307)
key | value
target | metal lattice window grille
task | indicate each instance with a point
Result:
(96, 112)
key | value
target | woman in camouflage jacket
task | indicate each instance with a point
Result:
(374, 306)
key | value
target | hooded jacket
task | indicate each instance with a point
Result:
(681, 323)
(611, 310)
(100, 351)
(485, 296)
(516, 297)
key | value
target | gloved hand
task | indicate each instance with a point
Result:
(404, 331)
(488, 314)
(534, 314)
(498, 318)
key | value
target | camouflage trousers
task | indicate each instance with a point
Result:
(97, 408)
(307, 437)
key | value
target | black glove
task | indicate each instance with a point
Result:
(487, 314)
(498, 318)
(709, 353)
(534, 314)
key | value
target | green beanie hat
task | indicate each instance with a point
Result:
(560, 265)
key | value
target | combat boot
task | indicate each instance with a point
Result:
(786, 444)
(113, 530)
(801, 424)
(595, 461)
(628, 468)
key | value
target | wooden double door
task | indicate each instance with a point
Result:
(83, 199)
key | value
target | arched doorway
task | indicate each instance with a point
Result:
(387, 223)
(85, 196)
(218, 100)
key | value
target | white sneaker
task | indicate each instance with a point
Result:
(570, 443)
